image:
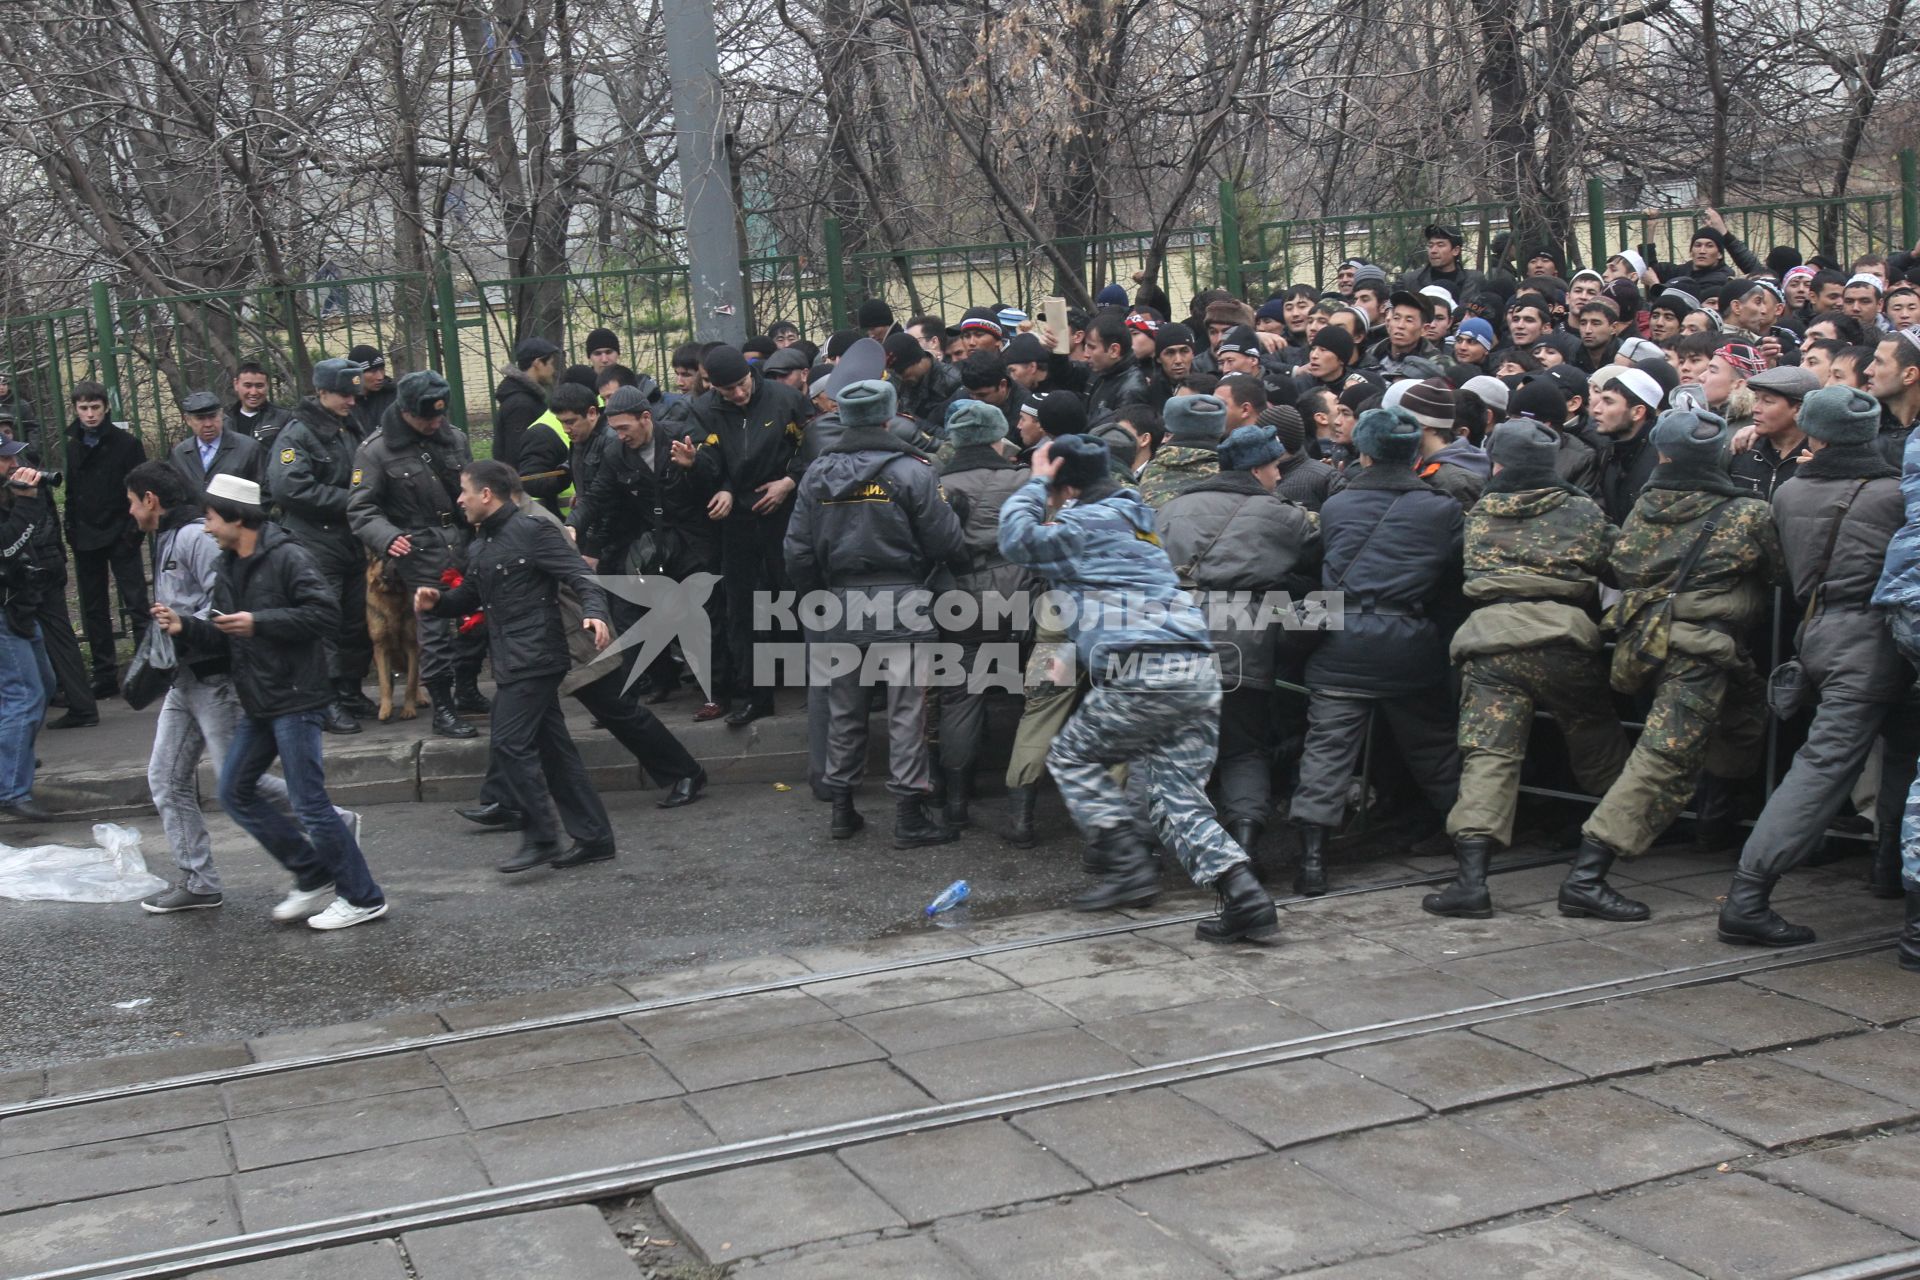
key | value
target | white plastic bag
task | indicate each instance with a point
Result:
(111, 871)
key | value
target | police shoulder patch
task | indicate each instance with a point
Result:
(286, 455)
(712, 439)
(356, 475)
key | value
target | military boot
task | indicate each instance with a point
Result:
(1467, 897)
(914, 827)
(1883, 876)
(846, 821)
(1747, 919)
(334, 719)
(1714, 827)
(1020, 805)
(353, 702)
(446, 717)
(1129, 876)
(467, 698)
(1310, 875)
(1585, 891)
(1910, 936)
(959, 791)
(1246, 911)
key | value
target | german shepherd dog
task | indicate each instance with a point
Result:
(393, 629)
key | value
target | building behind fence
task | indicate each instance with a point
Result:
(150, 351)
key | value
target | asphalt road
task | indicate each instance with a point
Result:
(746, 871)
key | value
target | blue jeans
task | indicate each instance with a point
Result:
(26, 679)
(1905, 625)
(320, 849)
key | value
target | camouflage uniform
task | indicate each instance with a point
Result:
(1174, 468)
(1531, 559)
(1709, 704)
(1046, 710)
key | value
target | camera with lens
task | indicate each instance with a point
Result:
(48, 480)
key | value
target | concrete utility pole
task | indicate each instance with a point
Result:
(706, 188)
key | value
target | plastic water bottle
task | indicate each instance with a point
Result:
(950, 897)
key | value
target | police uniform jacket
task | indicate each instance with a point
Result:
(870, 515)
(515, 568)
(311, 473)
(408, 483)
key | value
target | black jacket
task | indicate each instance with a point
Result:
(96, 505)
(585, 457)
(235, 455)
(407, 483)
(1392, 548)
(371, 410)
(1761, 470)
(24, 523)
(1123, 384)
(623, 500)
(282, 667)
(514, 570)
(744, 447)
(262, 426)
(310, 473)
(928, 398)
(518, 400)
(1623, 474)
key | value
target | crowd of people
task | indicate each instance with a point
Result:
(1679, 496)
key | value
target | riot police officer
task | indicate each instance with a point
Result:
(405, 507)
(310, 476)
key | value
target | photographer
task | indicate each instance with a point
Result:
(26, 679)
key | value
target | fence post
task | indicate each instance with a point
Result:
(1910, 197)
(1230, 236)
(1597, 222)
(449, 319)
(836, 276)
(106, 359)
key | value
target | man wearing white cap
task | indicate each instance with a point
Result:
(268, 615)
(1623, 410)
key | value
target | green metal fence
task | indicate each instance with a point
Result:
(149, 351)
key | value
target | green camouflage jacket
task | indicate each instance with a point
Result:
(1728, 590)
(1174, 468)
(1532, 559)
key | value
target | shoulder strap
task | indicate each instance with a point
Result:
(1186, 570)
(1339, 583)
(1698, 548)
(1826, 556)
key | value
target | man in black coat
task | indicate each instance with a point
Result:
(376, 389)
(521, 397)
(253, 412)
(99, 529)
(515, 569)
(212, 448)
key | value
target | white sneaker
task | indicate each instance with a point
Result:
(302, 903)
(352, 821)
(344, 915)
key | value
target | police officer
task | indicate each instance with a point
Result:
(310, 477)
(871, 521)
(515, 568)
(1534, 548)
(405, 506)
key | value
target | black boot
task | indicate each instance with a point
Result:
(914, 827)
(1713, 826)
(1130, 875)
(467, 698)
(938, 795)
(1910, 936)
(446, 720)
(1246, 911)
(959, 791)
(1310, 877)
(846, 821)
(1883, 877)
(336, 720)
(1748, 921)
(353, 702)
(1467, 897)
(1245, 833)
(1585, 891)
(1020, 806)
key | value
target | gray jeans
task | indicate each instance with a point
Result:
(198, 715)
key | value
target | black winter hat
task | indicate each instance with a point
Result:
(842, 339)
(873, 313)
(1541, 399)
(367, 355)
(1782, 258)
(725, 365)
(1336, 339)
(602, 340)
(1060, 413)
(1171, 335)
(1083, 459)
(904, 351)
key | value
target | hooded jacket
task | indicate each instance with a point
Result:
(1227, 535)
(1844, 643)
(1103, 552)
(186, 564)
(408, 483)
(1532, 560)
(518, 400)
(1393, 552)
(281, 669)
(1900, 570)
(311, 472)
(1458, 469)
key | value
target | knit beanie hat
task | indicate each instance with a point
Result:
(1387, 435)
(1195, 418)
(1336, 339)
(725, 366)
(1840, 415)
(1250, 447)
(1526, 453)
(422, 393)
(870, 404)
(1111, 295)
(1083, 460)
(627, 400)
(601, 340)
(1431, 403)
(873, 313)
(1272, 309)
(1060, 413)
(1540, 399)
(974, 422)
(1287, 425)
(1171, 335)
(1477, 329)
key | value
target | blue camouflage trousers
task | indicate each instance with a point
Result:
(1167, 731)
(1905, 624)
